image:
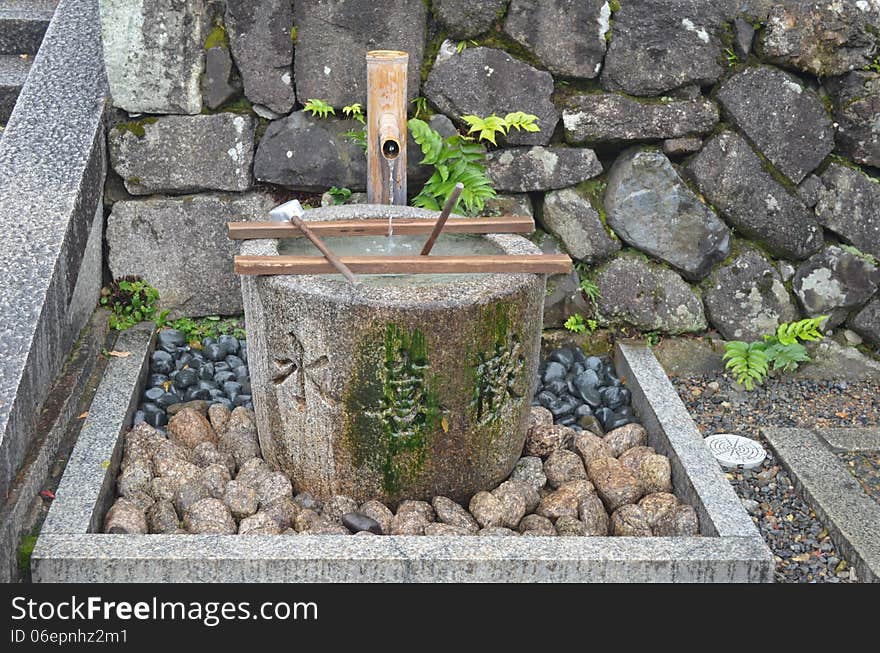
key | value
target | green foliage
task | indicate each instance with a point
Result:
(653, 338)
(420, 106)
(455, 160)
(591, 290)
(212, 326)
(731, 57)
(487, 128)
(339, 195)
(131, 300)
(358, 137)
(592, 324)
(875, 65)
(461, 46)
(855, 251)
(355, 111)
(25, 550)
(789, 333)
(750, 362)
(319, 108)
(576, 323)
(294, 34)
(217, 38)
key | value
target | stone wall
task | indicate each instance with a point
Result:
(711, 164)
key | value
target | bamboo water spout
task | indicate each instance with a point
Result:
(386, 127)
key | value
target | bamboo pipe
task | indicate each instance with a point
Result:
(386, 127)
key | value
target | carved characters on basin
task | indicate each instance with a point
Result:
(414, 415)
(295, 370)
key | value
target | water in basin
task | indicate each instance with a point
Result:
(396, 245)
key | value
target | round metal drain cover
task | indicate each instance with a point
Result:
(734, 450)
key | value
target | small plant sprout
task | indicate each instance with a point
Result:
(131, 300)
(420, 106)
(487, 128)
(339, 195)
(355, 111)
(731, 56)
(875, 65)
(750, 362)
(319, 108)
(591, 290)
(461, 46)
(576, 323)
(855, 251)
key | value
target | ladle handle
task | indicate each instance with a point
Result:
(330, 256)
(451, 201)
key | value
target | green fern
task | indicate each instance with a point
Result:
(455, 160)
(489, 127)
(354, 111)
(319, 108)
(750, 362)
(420, 106)
(576, 323)
(591, 290)
(790, 332)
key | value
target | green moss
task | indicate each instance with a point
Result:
(240, 105)
(393, 406)
(294, 34)
(25, 550)
(496, 370)
(132, 181)
(496, 38)
(217, 38)
(432, 48)
(136, 127)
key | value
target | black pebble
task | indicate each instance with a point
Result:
(206, 371)
(545, 398)
(223, 401)
(167, 400)
(229, 343)
(193, 393)
(583, 410)
(356, 522)
(593, 363)
(224, 376)
(554, 372)
(154, 393)
(186, 377)
(156, 380)
(563, 356)
(161, 362)
(605, 416)
(558, 387)
(213, 352)
(208, 384)
(172, 337)
(221, 366)
(153, 415)
(241, 400)
(232, 388)
(234, 361)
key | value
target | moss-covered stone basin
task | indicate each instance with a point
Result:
(401, 388)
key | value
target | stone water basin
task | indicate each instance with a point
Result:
(410, 386)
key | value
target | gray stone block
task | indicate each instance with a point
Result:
(260, 39)
(482, 81)
(182, 154)
(153, 52)
(617, 118)
(849, 205)
(568, 38)
(526, 169)
(181, 247)
(333, 39)
(734, 180)
(786, 121)
(851, 516)
(650, 207)
(660, 45)
(51, 181)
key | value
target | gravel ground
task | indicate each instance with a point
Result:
(804, 551)
(865, 467)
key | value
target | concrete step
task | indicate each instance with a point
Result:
(23, 23)
(14, 70)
